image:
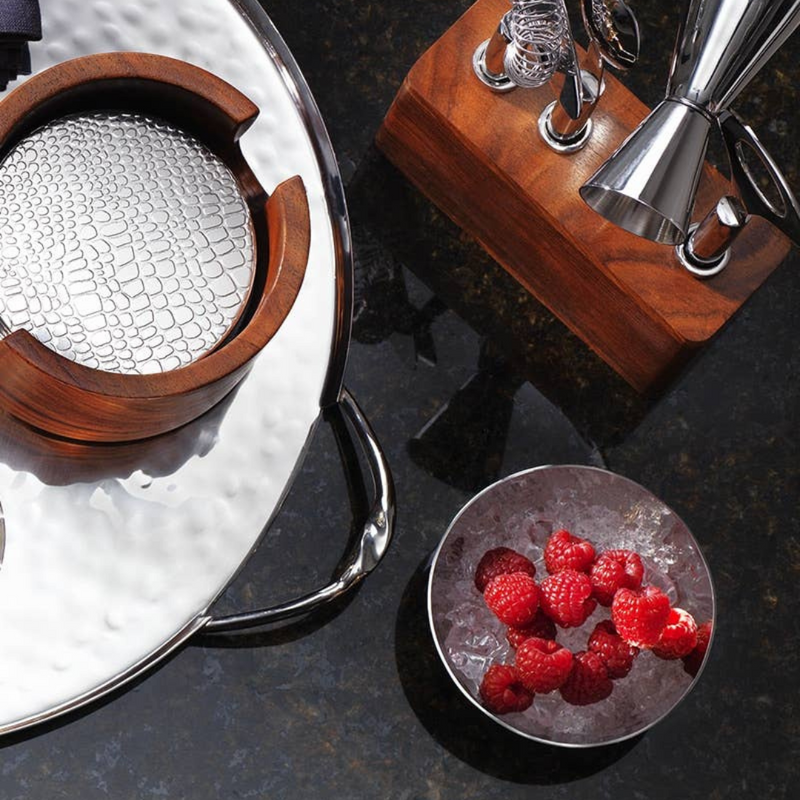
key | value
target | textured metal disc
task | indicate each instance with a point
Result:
(125, 244)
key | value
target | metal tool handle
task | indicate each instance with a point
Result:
(739, 136)
(570, 92)
(707, 249)
(488, 60)
(566, 134)
(366, 552)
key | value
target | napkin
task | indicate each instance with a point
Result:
(20, 23)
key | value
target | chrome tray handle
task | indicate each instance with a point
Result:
(366, 552)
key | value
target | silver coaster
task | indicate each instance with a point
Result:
(125, 244)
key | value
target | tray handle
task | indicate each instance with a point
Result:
(365, 553)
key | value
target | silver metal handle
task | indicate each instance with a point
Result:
(707, 249)
(738, 137)
(366, 552)
(560, 131)
(570, 93)
(488, 59)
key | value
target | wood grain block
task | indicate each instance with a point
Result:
(478, 156)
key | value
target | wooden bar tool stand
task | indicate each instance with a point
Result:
(478, 156)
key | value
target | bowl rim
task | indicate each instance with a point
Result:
(443, 657)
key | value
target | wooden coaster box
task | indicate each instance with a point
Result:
(54, 394)
(478, 156)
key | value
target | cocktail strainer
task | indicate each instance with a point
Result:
(139, 272)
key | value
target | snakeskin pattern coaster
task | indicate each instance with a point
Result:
(125, 244)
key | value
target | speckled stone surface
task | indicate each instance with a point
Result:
(466, 380)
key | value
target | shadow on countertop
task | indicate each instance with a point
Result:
(396, 227)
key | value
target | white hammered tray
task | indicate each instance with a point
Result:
(100, 579)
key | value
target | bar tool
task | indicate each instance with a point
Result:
(534, 45)
(706, 251)
(531, 46)
(538, 46)
(488, 60)
(614, 40)
(649, 185)
(135, 297)
(475, 154)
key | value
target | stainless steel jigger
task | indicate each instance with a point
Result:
(649, 184)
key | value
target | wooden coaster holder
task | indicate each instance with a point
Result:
(70, 400)
(478, 156)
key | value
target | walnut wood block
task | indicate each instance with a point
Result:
(477, 155)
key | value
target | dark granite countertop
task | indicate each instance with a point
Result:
(466, 379)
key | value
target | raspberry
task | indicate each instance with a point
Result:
(640, 615)
(615, 569)
(542, 664)
(679, 636)
(565, 551)
(566, 598)
(588, 681)
(502, 692)
(694, 660)
(614, 651)
(500, 561)
(542, 627)
(513, 598)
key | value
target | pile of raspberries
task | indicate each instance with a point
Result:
(578, 579)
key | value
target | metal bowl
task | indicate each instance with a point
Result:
(520, 512)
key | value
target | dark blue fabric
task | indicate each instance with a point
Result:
(20, 19)
(11, 54)
(20, 23)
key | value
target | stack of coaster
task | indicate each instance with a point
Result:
(20, 23)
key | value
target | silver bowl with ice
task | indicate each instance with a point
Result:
(520, 512)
